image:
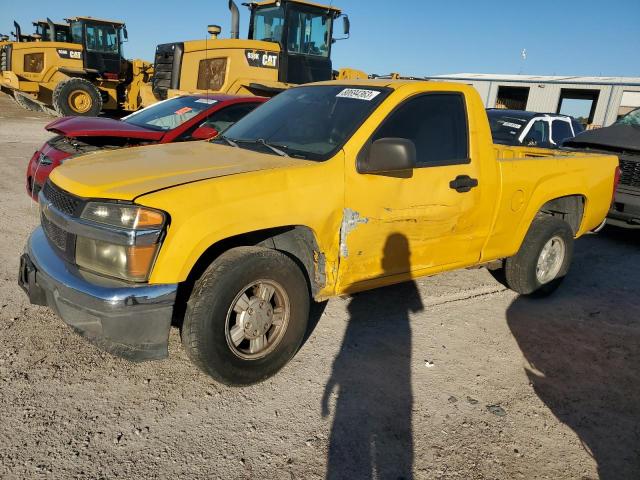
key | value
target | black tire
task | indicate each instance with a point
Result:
(64, 92)
(26, 103)
(204, 331)
(520, 270)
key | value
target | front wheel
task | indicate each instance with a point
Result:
(247, 315)
(543, 259)
(77, 97)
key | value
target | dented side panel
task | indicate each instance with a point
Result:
(402, 226)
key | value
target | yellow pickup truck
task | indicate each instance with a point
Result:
(327, 189)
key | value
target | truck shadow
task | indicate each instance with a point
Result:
(582, 346)
(371, 432)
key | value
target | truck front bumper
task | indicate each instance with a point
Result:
(131, 321)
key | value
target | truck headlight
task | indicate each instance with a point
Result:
(123, 215)
(127, 260)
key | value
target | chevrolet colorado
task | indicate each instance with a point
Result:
(328, 189)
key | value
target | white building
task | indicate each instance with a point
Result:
(597, 101)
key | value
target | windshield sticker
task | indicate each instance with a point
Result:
(208, 101)
(512, 125)
(183, 110)
(358, 94)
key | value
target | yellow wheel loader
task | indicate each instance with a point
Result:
(289, 43)
(74, 69)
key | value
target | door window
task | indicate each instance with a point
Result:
(102, 38)
(538, 134)
(223, 119)
(308, 33)
(267, 24)
(560, 131)
(436, 124)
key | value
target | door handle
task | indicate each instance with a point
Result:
(463, 183)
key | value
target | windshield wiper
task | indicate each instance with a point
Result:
(229, 141)
(274, 148)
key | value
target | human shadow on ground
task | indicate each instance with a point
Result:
(583, 349)
(371, 433)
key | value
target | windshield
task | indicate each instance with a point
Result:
(169, 114)
(631, 118)
(307, 122)
(267, 24)
(505, 129)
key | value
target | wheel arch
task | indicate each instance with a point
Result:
(297, 241)
(570, 208)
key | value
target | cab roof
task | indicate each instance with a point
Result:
(45, 22)
(380, 82)
(97, 20)
(302, 2)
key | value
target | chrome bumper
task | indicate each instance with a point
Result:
(131, 321)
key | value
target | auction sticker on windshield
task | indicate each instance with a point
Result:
(358, 94)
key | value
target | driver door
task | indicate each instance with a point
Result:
(412, 223)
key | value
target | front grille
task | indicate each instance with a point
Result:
(57, 236)
(61, 200)
(630, 172)
(63, 241)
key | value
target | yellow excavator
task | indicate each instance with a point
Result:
(289, 43)
(75, 68)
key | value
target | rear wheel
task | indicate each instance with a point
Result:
(247, 315)
(543, 259)
(77, 97)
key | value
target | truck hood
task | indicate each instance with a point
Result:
(614, 138)
(101, 127)
(130, 172)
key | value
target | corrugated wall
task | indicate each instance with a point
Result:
(545, 97)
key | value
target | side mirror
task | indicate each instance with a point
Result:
(126, 34)
(204, 133)
(346, 27)
(388, 155)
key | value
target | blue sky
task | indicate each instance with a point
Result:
(562, 37)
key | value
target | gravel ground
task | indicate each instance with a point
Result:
(447, 377)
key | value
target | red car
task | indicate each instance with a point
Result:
(178, 119)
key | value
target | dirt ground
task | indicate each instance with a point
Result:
(451, 377)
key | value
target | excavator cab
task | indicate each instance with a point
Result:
(102, 41)
(304, 32)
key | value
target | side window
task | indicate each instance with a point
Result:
(102, 38)
(577, 127)
(223, 119)
(437, 125)
(538, 134)
(308, 33)
(560, 131)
